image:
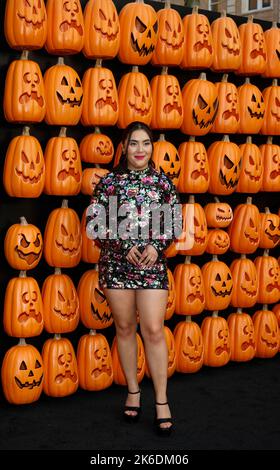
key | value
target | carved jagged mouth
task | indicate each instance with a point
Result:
(108, 101)
(276, 116)
(105, 318)
(30, 385)
(61, 377)
(274, 174)
(248, 292)
(67, 250)
(231, 183)
(197, 173)
(202, 123)
(104, 370)
(258, 115)
(144, 51)
(255, 53)
(248, 344)
(202, 45)
(253, 177)
(73, 24)
(171, 175)
(28, 179)
(222, 349)
(25, 97)
(24, 316)
(193, 297)
(73, 102)
(192, 358)
(143, 112)
(110, 37)
(274, 238)
(227, 114)
(268, 344)
(231, 50)
(63, 174)
(173, 46)
(172, 107)
(106, 154)
(223, 218)
(200, 240)
(252, 239)
(30, 257)
(222, 245)
(34, 24)
(221, 293)
(270, 287)
(65, 316)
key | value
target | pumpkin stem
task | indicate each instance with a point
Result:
(223, 14)
(98, 63)
(60, 61)
(24, 55)
(202, 76)
(249, 139)
(243, 256)
(22, 342)
(57, 336)
(167, 4)
(216, 199)
(187, 260)
(250, 19)
(57, 271)
(265, 307)
(275, 82)
(269, 140)
(267, 211)
(161, 138)
(64, 203)
(164, 70)
(25, 130)
(215, 258)
(22, 274)
(135, 69)
(97, 165)
(188, 318)
(191, 199)
(225, 138)
(225, 77)
(195, 10)
(23, 221)
(139, 1)
(215, 314)
(247, 81)
(274, 24)
(239, 310)
(97, 130)
(192, 138)
(62, 132)
(266, 252)
(92, 332)
(249, 200)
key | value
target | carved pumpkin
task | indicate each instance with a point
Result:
(244, 230)
(276, 311)
(200, 104)
(189, 346)
(193, 239)
(24, 94)
(228, 115)
(90, 248)
(252, 108)
(60, 366)
(267, 333)
(96, 148)
(218, 214)
(198, 51)
(94, 308)
(61, 303)
(268, 275)
(216, 341)
(102, 30)
(245, 282)
(166, 159)
(101, 103)
(271, 166)
(270, 229)
(62, 238)
(194, 175)
(118, 374)
(23, 307)
(225, 166)
(171, 299)
(25, 24)
(64, 95)
(271, 122)
(23, 245)
(219, 285)
(218, 242)
(169, 47)
(227, 44)
(94, 362)
(272, 40)
(139, 27)
(22, 374)
(253, 49)
(24, 170)
(250, 180)
(65, 27)
(63, 166)
(135, 97)
(190, 291)
(90, 178)
(242, 336)
(167, 111)
(171, 361)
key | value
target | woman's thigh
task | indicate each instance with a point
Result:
(151, 306)
(122, 303)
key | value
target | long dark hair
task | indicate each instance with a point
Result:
(133, 126)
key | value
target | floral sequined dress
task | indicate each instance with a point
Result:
(137, 189)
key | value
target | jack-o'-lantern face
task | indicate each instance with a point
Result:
(218, 242)
(68, 238)
(31, 13)
(252, 166)
(63, 374)
(30, 168)
(249, 283)
(247, 337)
(69, 90)
(252, 231)
(30, 300)
(273, 280)
(195, 290)
(106, 22)
(231, 106)
(70, 166)
(173, 98)
(230, 170)
(143, 34)
(29, 372)
(269, 336)
(258, 43)
(267, 333)
(171, 165)
(32, 89)
(71, 17)
(216, 339)
(230, 39)
(29, 247)
(140, 100)
(204, 111)
(106, 94)
(202, 36)
(200, 166)
(222, 284)
(270, 230)
(99, 307)
(275, 173)
(192, 349)
(66, 303)
(222, 341)
(275, 109)
(101, 362)
(200, 230)
(224, 214)
(171, 31)
(105, 149)
(256, 106)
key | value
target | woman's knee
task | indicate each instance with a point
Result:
(125, 329)
(153, 333)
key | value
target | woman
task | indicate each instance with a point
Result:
(132, 269)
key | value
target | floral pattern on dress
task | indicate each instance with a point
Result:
(137, 190)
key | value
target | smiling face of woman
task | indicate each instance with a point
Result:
(139, 150)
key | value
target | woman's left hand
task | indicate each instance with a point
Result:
(148, 257)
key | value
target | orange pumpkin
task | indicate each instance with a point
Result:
(253, 51)
(101, 103)
(270, 229)
(90, 178)
(90, 249)
(63, 166)
(166, 159)
(228, 115)
(139, 27)
(167, 111)
(272, 40)
(189, 346)
(24, 93)
(64, 95)
(218, 242)
(24, 169)
(193, 238)
(244, 230)
(267, 333)
(245, 282)
(216, 341)
(60, 366)
(65, 27)
(190, 290)
(61, 303)
(171, 361)
(25, 24)
(225, 166)
(252, 108)
(271, 122)
(96, 148)
(22, 374)
(194, 175)
(227, 44)
(217, 278)
(23, 245)
(242, 336)
(23, 307)
(268, 275)
(218, 214)
(118, 374)
(271, 166)
(102, 30)
(62, 238)
(94, 362)
(250, 180)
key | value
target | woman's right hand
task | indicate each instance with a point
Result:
(133, 256)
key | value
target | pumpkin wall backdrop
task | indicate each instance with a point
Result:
(50, 191)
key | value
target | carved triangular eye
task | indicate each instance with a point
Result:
(228, 163)
(251, 223)
(78, 83)
(102, 15)
(24, 157)
(201, 102)
(166, 157)
(168, 27)
(140, 26)
(254, 99)
(277, 101)
(60, 296)
(23, 366)
(155, 27)
(218, 277)
(247, 277)
(136, 91)
(64, 81)
(37, 364)
(228, 34)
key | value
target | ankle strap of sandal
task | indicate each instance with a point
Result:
(133, 393)
(166, 403)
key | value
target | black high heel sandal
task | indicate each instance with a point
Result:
(132, 418)
(163, 431)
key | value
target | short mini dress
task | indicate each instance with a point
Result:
(137, 188)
